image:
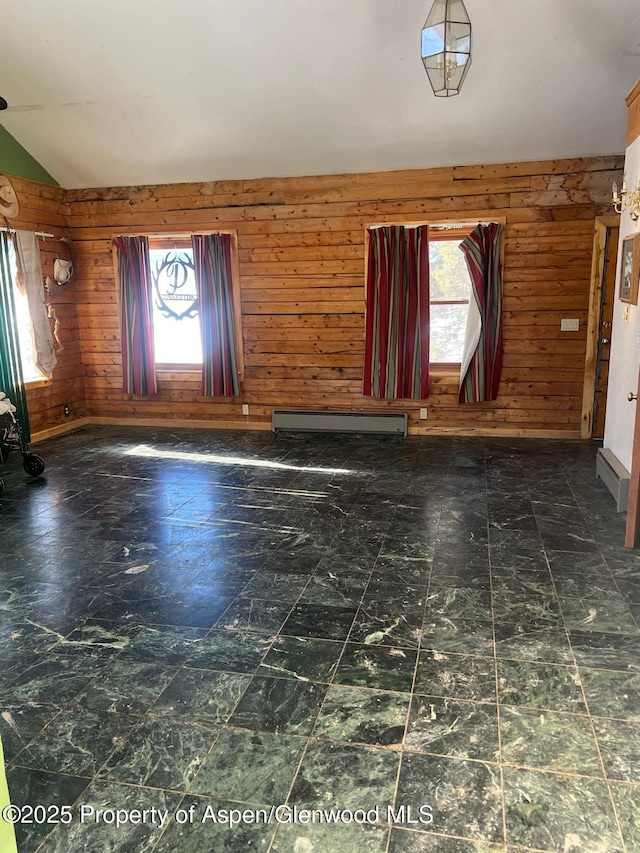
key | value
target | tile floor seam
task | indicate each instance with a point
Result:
(503, 800)
(26, 746)
(594, 733)
(286, 799)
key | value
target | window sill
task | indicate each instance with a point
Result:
(32, 384)
(444, 369)
(187, 374)
(178, 368)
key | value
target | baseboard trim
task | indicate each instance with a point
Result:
(61, 429)
(265, 425)
(487, 432)
(179, 422)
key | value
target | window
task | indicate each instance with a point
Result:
(30, 372)
(176, 315)
(418, 305)
(450, 289)
(180, 310)
(449, 293)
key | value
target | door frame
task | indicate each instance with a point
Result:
(632, 532)
(602, 224)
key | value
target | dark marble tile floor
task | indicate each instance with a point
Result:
(437, 637)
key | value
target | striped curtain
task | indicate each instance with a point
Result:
(396, 357)
(136, 321)
(11, 377)
(214, 286)
(482, 361)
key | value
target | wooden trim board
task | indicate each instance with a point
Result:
(595, 294)
(172, 423)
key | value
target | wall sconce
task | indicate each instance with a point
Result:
(446, 46)
(627, 200)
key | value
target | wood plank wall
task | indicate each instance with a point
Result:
(301, 247)
(41, 210)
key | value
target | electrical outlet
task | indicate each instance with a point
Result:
(245, 408)
(569, 325)
(423, 414)
(67, 410)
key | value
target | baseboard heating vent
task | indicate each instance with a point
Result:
(615, 477)
(393, 424)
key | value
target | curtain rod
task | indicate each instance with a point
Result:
(443, 226)
(449, 226)
(171, 235)
(37, 233)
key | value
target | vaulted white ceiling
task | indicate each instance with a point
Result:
(121, 92)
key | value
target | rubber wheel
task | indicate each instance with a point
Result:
(33, 465)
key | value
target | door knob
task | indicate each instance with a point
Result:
(606, 325)
(631, 397)
(605, 341)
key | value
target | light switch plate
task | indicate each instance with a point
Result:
(245, 408)
(423, 414)
(569, 325)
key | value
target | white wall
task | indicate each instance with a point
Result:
(625, 355)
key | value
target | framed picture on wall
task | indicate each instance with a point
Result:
(630, 270)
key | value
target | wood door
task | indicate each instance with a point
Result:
(601, 302)
(604, 337)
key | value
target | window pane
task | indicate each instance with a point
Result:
(30, 372)
(448, 326)
(449, 277)
(176, 321)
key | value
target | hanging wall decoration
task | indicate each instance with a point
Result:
(629, 270)
(62, 271)
(9, 205)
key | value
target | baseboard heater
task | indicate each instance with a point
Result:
(615, 477)
(393, 424)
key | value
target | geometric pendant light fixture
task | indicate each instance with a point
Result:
(446, 46)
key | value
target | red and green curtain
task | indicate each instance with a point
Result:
(136, 321)
(396, 359)
(214, 286)
(482, 360)
(11, 376)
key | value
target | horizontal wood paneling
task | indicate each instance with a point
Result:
(42, 208)
(301, 260)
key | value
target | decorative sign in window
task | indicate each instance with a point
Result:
(176, 321)
(174, 285)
